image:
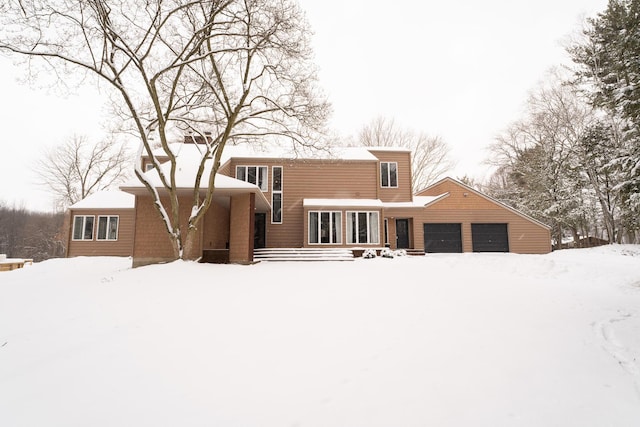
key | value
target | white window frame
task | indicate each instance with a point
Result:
(373, 230)
(83, 228)
(388, 175)
(332, 224)
(274, 192)
(265, 178)
(107, 237)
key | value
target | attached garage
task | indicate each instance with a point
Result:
(458, 218)
(490, 237)
(444, 238)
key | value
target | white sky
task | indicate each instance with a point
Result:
(460, 70)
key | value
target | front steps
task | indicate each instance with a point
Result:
(303, 254)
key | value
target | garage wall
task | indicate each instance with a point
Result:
(467, 206)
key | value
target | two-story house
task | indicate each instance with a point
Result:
(352, 198)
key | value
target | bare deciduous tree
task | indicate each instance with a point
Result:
(430, 154)
(224, 70)
(77, 168)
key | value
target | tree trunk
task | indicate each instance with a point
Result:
(192, 245)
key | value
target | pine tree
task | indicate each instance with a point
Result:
(608, 68)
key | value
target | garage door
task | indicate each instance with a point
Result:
(490, 237)
(442, 238)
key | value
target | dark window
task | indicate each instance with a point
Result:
(253, 174)
(276, 195)
(107, 228)
(83, 227)
(388, 174)
(325, 227)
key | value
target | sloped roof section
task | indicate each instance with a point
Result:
(484, 196)
(108, 199)
(417, 202)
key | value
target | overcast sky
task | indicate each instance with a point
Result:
(460, 70)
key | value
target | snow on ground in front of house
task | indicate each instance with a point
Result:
(439, 340)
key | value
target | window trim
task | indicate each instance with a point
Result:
(332, 223)
(265, 181)
(274, 192)
(388, 175)
(107, 239)
(357, 226)
(83, 228)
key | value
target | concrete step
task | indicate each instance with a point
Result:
(303, 254)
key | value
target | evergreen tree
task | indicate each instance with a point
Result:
(608, 67)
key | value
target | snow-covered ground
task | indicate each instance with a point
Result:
(440, 340)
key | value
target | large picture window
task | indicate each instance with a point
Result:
(107, 228)
(389, 174)
(254, 174)
(83, 227)
(325, 227)
(363, 227)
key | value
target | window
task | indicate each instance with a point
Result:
(107, 228)
(325, 227)
(254, 174)
(148, 166)
(388, 174)
(276, 195)
(83, 227)
(363, 227)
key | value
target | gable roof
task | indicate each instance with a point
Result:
(486, 197)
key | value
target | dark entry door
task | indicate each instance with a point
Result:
(442, 238)
(260, 231)
(402, 233)
(490, 237)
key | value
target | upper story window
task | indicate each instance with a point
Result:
(388, 174)
(107, 228)
(276, 195)
(254, 174)
(83, 227)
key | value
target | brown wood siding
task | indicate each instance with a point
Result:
(121, 247)
(241, 228)
(216, 227)
(152, 243)
(313, 179)
(466, 207)
(404, 191)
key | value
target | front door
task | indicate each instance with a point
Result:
(402, 233)
(260, 231)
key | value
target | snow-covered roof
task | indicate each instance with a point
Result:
(393, 149)
(417, 202)
(275, 152)
(186, 169)
(335, 153)
(346, 203)
(112, 199)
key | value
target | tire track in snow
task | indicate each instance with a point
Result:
(604, 330)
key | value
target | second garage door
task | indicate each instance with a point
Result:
(490, 237)
(442, 238)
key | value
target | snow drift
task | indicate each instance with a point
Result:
(441, 340)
